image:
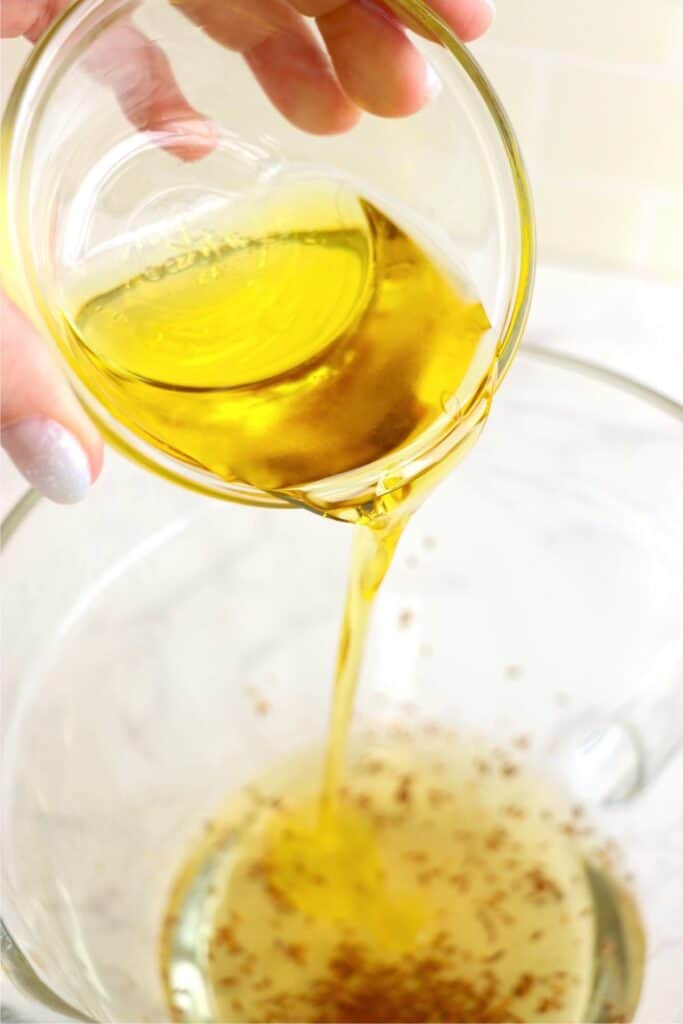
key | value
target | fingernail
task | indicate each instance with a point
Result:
(491, 4)
(50, 458)
(433, 83)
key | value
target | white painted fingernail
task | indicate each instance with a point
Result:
(491, 4)
(433, 83)
(50, 458)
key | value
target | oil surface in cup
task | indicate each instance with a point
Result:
(311, 337)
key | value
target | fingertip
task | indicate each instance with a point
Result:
(475, 19)
(189, 139)
(408, 90)
(50, 457)
(392, 83)
(45, 430)
(300, 84)
(330, 119)
(418, 85)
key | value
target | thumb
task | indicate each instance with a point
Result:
(45, 431)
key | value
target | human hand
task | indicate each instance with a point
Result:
(368, 64)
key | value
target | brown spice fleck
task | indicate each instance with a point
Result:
(277, 898)
(226, 937)
(541, 886)
(495, 839)
(487, 923)
(262, 706)
(257, 869)
(523, 986)
(295, 951)
(417, 856)
(513, 811)
(438, 797)
(404, 790)
(549, 1004)
(405, 618)
(426, 877)
(494, 957)
(460, 882)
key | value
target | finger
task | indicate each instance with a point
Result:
(140, 76)
(469, 19)
(283, 53)
(44, 430)
(18, 16)
(297, 79)
(377, 65)
(37, 15)
(136, 69)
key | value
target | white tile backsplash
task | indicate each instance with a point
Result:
(628, 31)
(595, 92)
(620, 128)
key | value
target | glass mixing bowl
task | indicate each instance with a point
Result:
(543, 578)
(90, 201)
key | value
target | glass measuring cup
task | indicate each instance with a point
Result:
(90, 199)
(131, 688)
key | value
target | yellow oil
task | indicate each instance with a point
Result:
(448, 888)
(285, 352)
